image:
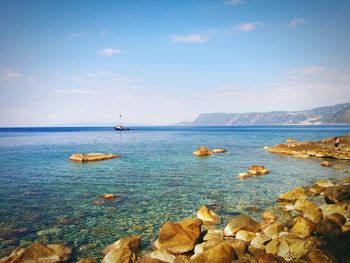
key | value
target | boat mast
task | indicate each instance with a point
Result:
(120, 120)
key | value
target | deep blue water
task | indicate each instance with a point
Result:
(47, 197)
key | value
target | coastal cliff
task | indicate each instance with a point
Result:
(337, 114)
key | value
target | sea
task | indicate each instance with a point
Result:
(46, 197)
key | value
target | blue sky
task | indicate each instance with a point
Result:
(162, 62)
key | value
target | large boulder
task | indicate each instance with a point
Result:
(207, 216)
(91, 157)
(163, 255)
(221, 253)
(317, 256)
(309, 209)
(292, 195)
(239, 246)
(213, 234)
(120, 255)
(303, 227)
(245, 235)
(337, 194)
(273, 230)
(292, 247)
(257, 170)
(131, 242)
(179, 237)
(241, 222)
(329, 209)
(202, 151)
(38, 252)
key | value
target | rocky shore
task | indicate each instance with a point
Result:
(321, 149)
(307, 224)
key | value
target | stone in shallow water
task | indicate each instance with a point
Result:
(207, 216)
(179, 237)
(38, 252)
(292, 195)
(257, 170)
(120, 255)
(202, 151)
(131, 242)
(219, 150)
(91, 157)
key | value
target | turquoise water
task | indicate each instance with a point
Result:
(44, 196)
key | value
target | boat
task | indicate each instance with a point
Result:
(120, 127)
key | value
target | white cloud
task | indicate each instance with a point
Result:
(306, 70)
(103, 33)
(76, 91)
(8, 74)
(78, 34)
(235, 2)
(296, 21)
(193, 38)
(246, 27)
(110, 52)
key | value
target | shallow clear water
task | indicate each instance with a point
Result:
(44, 196)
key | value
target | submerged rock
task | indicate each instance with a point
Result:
(91, 157)
(179, 237)
(326, 164)
(219, 150)
(202, 151)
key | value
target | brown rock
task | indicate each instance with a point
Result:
(328, 228)
(207, 216)
(38, 252)
(337, 194)
(219, 150)
(179, 237)
(345, 228)
(221, 253)
(326, 164)
(337, 218)
(257, 170)
(245, 235)
(243, 175)
(202, 151)
(239, 246)
(317, 256)
(309, 209)
(91, 157)
(148, 259)
(131, 242)
(335, 208)
(120, 255)
(292, 247)
(182, 259)
(213, 234)
(292, 195)
(272, 246)
(241, 222)
(273, 230)
(260, 240)
(303, 227)
(290, 140)
(163, 255)
(269, 218)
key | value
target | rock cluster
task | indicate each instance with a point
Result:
(321, 149)
(254, 170)
(204, 151)
(91, 157)
(296, 229)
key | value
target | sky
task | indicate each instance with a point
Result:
(160, 62)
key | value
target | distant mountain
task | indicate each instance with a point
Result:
(337, 114)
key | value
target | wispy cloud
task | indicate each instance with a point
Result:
(246, 27)
(297, 21)
(76, 91)
(193, 38)
(234, 2)
(103, 33)
(78, 34)
(306, 70)
(110, 52)
(9, 74)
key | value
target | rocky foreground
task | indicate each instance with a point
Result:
(310, 224)
(321, 149)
